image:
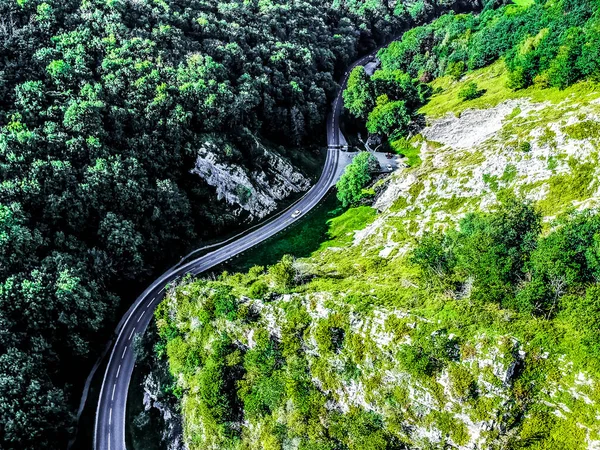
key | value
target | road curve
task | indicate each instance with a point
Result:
(109, 430)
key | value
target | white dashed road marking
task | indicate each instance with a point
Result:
(124, 350)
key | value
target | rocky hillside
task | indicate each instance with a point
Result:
(360, 346)
(458, 305)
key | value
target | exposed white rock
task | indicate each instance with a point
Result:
(172, 433)
(475, 126)
(255, 192)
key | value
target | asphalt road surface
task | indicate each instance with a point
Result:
(109, 432)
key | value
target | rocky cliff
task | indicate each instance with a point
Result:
(356, 346)
(252, 186)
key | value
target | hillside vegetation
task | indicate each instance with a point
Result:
(464, 314)
(104, 108)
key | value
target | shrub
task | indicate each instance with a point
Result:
(258, 289)
(284, 273)
(470, 92)
(456, 69)
(525, 147)
(433, 254)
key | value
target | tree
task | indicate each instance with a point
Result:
(355, 177)
(494, 248)
(566, 258)
(359, 94)
(390, 118)
(397, 85)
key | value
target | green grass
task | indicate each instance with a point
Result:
(327, 225)
(579, 184)
(493, 80)
(409, 150)
(341, 228)
(301, 239)
(586, 129)
(524, 3)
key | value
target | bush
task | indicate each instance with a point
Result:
(456, 69)
(525, 147)
(258, 289)
(462, 382)
(433, 254)
(470, 92)
(284, 273)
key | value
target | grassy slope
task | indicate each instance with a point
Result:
(356, 279)
(492, 80)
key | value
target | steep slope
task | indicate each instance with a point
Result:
(463, 314)
(359, 346)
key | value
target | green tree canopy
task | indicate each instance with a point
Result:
(355, 177)
(359, 94)
(388, 117)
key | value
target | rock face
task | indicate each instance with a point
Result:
(529, 148)
(255, 190)
(172, 432)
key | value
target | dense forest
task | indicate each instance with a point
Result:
(103, 105)
(543, 43)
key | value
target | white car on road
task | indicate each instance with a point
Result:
(296, 213)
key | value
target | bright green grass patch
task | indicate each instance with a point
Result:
(523, 3)
(578, 184)
(341, 228)
(588, 129)
(412, 153)
(493, 80)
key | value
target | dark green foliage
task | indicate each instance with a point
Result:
(492, 249)
(362, 430)
(226, 305)
(434, 254)
(563, 261)
(387, 100)
(389, 118)
(415, 361)
(284, 273)
(504, 259)
(470, 92)
(525, 147)
(489, 250)
(547, 42)
(258, 289)
(397, 85)
(359, 95)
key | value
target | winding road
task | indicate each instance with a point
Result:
(110, 426)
